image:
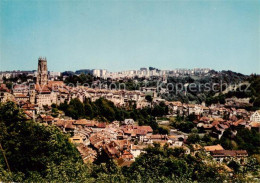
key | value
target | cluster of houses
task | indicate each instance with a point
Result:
(121, 142)
(214, 110)
(219, 154)
(124, 141)
(215, 119)
(216, 126)
(56, 92)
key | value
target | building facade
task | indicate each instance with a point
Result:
(255, 116)
(42, 76)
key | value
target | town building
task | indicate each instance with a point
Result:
(42, 76)
(255, 116)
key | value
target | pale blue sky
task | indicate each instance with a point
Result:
(124, 35)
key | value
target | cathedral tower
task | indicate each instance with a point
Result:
(42, 75)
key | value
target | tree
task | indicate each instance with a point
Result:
(234, 165)
(170, 165)
(193, 138)
(32, 147)
(181, 124)
(88, 109)
(245, 139)
(55, 112)
(149, 98)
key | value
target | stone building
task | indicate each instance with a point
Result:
(42, 76)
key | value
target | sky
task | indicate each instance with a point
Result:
(126, 35)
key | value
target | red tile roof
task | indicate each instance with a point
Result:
(42, 88)
(213, 147)
(232, 153)
(21, 96)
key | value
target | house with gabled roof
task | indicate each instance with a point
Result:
(255, 117)
(213, 148)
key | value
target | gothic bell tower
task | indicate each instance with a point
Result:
(42, 75)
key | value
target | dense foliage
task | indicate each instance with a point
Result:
(254, 89)
(164, 164)
(105, 110)
(200, 88)
(81, 79)
(183, 124)
(32, 149)
(245, 139)
(249, 90)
